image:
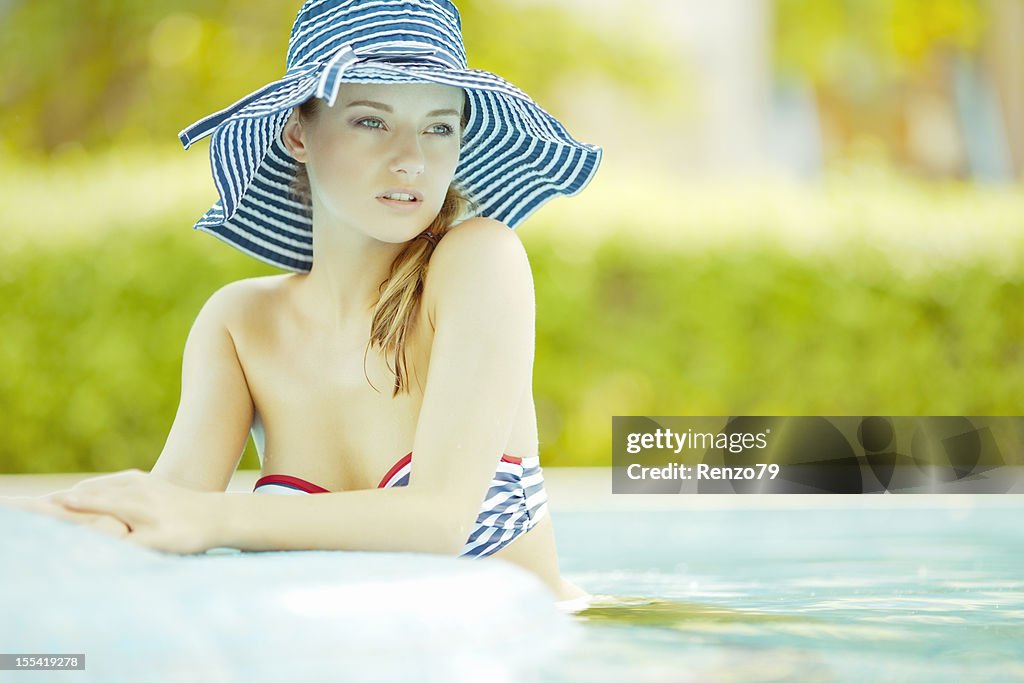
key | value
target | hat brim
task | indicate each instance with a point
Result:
(515, 156)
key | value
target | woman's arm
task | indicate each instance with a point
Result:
(215, 411)
(479, 294)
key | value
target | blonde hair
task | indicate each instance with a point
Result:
(401, 292)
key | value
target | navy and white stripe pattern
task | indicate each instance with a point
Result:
(514, 504)
(515, 501)
(515, 156)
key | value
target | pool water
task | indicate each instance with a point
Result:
(765, 594)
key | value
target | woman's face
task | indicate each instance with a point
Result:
(381, 159)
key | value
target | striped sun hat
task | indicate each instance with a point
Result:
(515, 156)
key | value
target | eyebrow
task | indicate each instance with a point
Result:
(388, 109)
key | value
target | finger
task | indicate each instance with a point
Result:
(110, 526)
(128, 511)
(103, 523)
(46, 507)
(91, 519)
(24, 503)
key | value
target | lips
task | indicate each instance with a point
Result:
(401, 195)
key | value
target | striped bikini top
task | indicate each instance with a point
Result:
(515, 501)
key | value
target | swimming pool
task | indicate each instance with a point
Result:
(706, 588)
(861, 590)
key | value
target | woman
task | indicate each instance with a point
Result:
(406, 328)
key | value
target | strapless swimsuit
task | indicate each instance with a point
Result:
(515, 501)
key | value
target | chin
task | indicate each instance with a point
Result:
(400, 236)
(396, 232)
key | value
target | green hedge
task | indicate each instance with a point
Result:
(92, 333)
(761, 332)
(90, 360)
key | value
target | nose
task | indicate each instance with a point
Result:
(407, 156)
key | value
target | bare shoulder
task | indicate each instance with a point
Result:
(238, 301)
(479, 238)
(476, 263)
(478, 257)
(253, 290)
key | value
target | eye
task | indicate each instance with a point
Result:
(371, 123)
(441, 129)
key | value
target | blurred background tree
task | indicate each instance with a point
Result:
(90, 74)
(884, 41)
(922, 83)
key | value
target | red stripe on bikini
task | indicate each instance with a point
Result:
(289, 480)
(394, 470)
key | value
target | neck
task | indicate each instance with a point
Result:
(343, 285)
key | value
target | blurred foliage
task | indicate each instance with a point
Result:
(91, 346)
(753, 330)
(827, 41)
(105, 72)
(94, 322)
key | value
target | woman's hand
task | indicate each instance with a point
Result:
(47, 506)
(157, 514)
